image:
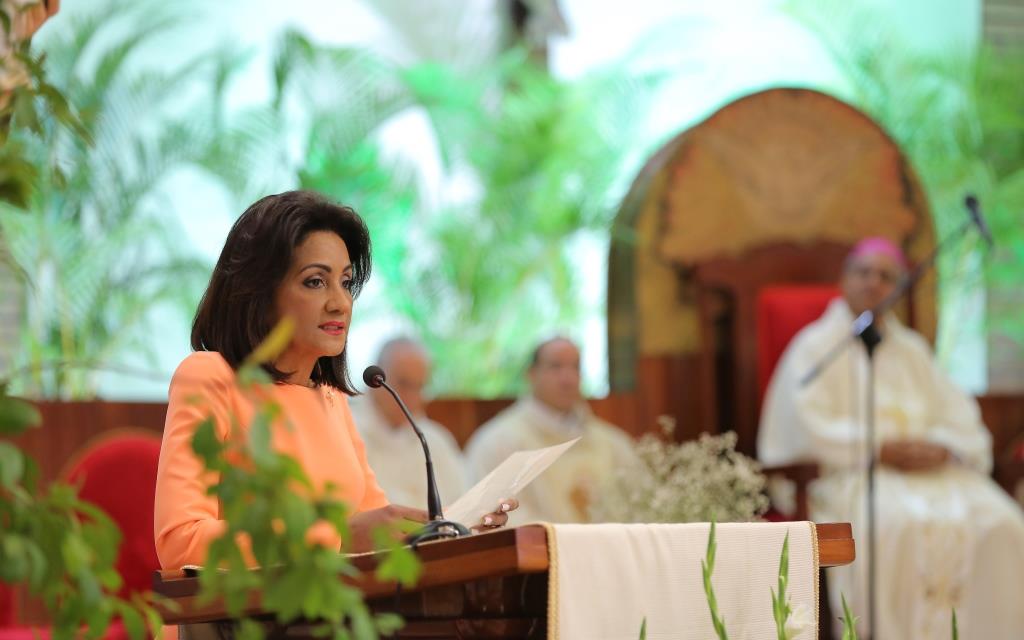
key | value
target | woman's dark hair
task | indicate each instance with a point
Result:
(237, 310)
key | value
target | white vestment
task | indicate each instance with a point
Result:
(396, 456)
(562, 493)
(949, 538)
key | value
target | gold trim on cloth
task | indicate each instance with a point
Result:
(552, 581)
(817, 579)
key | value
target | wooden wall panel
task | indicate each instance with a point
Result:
(68, 426)
(669, 386)
(1004, 416)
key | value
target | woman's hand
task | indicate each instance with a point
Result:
(400, 519)
(497, 518)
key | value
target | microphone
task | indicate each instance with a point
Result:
(438, 527)
(974, 208)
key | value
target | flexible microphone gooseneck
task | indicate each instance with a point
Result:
(438, 527)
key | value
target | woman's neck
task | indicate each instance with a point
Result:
(300, 368)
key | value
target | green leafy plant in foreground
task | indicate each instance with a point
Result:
(268, 501)
(849, 622)
(62, 548)
(780, 603)
(708, 567)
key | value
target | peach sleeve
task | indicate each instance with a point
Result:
(323, 533)
(186, 519)
(373, 496)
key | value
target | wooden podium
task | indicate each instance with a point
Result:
(491, 585)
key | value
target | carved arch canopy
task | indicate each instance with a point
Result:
(782, 167)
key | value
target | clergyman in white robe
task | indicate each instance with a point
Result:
(949, 537)
(552, 413)
(396, 456)
(564, 491)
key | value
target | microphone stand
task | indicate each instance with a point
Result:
(437, 528)
(865, 328)
(871, 339)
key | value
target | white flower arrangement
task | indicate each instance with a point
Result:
(700, 480)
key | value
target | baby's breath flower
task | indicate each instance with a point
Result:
(695, 481)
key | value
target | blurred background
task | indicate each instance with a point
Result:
(637, 177)
(489, 145)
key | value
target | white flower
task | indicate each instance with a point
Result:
(801, 619)
(695, 481)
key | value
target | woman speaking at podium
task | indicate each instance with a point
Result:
(293, 255)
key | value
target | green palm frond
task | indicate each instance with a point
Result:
(99, 250)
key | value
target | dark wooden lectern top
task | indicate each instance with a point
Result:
(455, 572)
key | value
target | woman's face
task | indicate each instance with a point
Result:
(316, 293)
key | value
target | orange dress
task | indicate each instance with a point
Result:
(323, 439)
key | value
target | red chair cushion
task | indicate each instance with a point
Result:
(116, 631)
(782, 311)
(24, 633)
(7, 605)
(119, 475)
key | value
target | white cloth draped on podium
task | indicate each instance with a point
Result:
(605, 579)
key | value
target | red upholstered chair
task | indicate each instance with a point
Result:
(7, 605)
(118, 473)
(782, 311)
(116, 631)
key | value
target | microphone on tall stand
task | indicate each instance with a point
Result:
(864, 328)
(437, 527)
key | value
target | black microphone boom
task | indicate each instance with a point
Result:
(974, 208)
(438, 527)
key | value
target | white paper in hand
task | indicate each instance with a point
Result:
(505, 481)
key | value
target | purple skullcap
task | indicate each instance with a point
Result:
(878, 244)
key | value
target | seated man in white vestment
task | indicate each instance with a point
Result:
(948, 536)
(553, 412)
(392, 448)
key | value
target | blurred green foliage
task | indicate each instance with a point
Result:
(31, 101)
(97, 251)
(61, 548)
(483, 276)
